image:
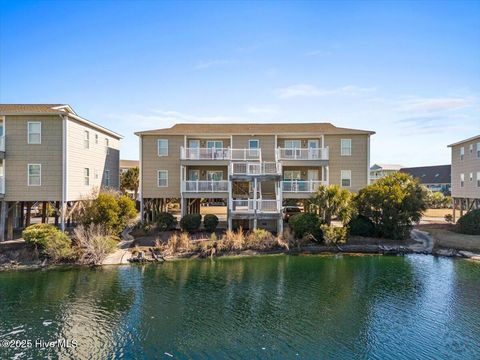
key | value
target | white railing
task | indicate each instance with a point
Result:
(259, 168)
(205, 186)
(246, 154)
(252, 206)
(300, 186)
(2, 143)
(220, 154)
(302, 154)
(2, 184)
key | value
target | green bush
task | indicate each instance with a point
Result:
(52, 243)
(304, 224)
(362, 226)
(334, 235)
(210, 222)
(59, 247)
(112, 212)
(393, 203)
(260, 239)
(469, 223)
(39, 234)
(166, 221)
(191, 222)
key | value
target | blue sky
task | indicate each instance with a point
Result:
(408, 70)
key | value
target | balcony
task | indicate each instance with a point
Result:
(302, 154)
(204, 186)
(302, 186)
(220, 154)
(257, 168)
(251, 206)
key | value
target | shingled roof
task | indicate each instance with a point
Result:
(254, 129)
(439, 174)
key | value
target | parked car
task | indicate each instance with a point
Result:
(289, 211)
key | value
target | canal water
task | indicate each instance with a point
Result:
(271, 307)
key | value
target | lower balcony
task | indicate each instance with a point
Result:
(255, 168)
(302, 186)
(205, 186)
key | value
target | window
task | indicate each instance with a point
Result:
(253, 144)
(216, 144)
(293, 144)
(86, 176)
(107, 146)
(471, 177)
(462, 180)
(162, 178)
(478, 179)
(214, 175)
(86, 140)
(34, 132)
(162, 145)
(346, 178)
(462, 153)
(107, 178)
(478, 150)
(346, 147)
(471, 148)
(34, 174)
(292, 175)
(96, 139)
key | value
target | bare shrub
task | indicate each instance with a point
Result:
(232, 240)
(94, 244)
(177, 243)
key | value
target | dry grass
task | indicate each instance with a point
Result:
(232, 240)
(437, 213)
(451, 240)
(94, 244)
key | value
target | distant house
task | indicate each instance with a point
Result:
(435, 178)
(128, 164)
(378, 171)
(466, 174)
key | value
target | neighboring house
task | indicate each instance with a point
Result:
(435, 178)
(466, 174)
(252, 167)
(378, 171)
(50, 155)
(128, 164)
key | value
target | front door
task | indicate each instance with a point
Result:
(313, 149)
(193, 149)
(216, 149)
(313, 176)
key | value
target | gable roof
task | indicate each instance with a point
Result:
(394, 167)
(439, 174)
(254, 129)
(473, 138)
(51, 109)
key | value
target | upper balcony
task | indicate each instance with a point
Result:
(255, 169)
(204, 186)
(302, 154)
(216, 154)
(251, 206)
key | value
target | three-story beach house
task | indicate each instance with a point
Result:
(52, 157)
(466, 174)
(252, 168)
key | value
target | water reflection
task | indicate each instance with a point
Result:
(270, 307)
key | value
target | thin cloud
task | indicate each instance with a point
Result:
(263, 110)
(430, 105)
(213, 63)
(308, 90)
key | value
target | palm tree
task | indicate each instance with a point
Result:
(333, 201)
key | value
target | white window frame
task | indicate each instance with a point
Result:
(214, 144)
(478, 179)
(462, 180)
(478, 150)
(107, 178)
(462, 153)
(349, 178)
(86, 177)
(210, 172)
(39, 133)
(158, 178)
(254, 140)
(86, 139)
(346, 150)
(39, 176)
(158, 147)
